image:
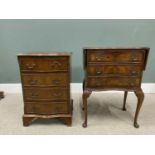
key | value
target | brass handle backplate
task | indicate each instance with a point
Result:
(56, 82)
(33, 82)
(57, 94)
(56, 63)
(31, 66)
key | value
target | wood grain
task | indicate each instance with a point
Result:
(46, 86)
(114, 69)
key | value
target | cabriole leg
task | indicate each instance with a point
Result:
(124, 102)
(85, 96)
(140, 98)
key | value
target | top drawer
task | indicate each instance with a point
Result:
(44, 64)
(122, 56)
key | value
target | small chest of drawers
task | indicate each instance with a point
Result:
(114, 69)
(46, 86)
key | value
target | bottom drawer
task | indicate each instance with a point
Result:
(46, 108)
(113, 82)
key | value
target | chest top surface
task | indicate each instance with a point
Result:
(45, 54)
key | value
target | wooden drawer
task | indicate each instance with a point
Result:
(113, 82)
(43, 64)
(47, 108)
(104, 70)
(38, 94)
(48, 79)
(123, 56)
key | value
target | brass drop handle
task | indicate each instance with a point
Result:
(34, 95)
(133, 72)
(33, 82)
(55, 63)
(56, 82)
(57, 94)
(31, 66)
(134, 59)
(98, 72)
(98, 58)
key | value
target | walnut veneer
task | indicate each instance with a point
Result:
(114, 69)
(46, 86)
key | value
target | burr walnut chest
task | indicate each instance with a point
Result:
(46, 86)
(114, 69)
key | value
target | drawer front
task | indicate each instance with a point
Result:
(46, 109)
(113, 82)
(123, 56)
(34, 94)
(103, 70)
(48, 79)
(31, 64)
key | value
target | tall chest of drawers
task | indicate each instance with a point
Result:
(114, 69)
(46, 86)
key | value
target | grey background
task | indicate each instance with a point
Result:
(17, 36)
